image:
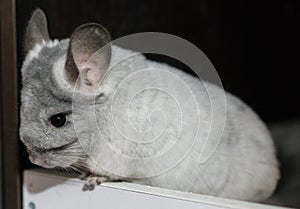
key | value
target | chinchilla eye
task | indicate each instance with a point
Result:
(58, 120)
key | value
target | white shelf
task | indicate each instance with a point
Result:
(44, 190)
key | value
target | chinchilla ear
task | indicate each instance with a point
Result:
(36, 31)
(88, 57)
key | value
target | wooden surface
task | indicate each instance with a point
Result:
(10, 159)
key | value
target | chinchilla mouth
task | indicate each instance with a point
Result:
(59, 148)
(62, 147)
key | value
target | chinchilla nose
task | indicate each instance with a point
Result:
(36, 161)
(41, 162)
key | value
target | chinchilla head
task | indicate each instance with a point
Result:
(53, 74)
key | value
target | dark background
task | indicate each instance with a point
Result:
(254, 45)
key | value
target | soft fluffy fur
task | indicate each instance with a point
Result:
(243, 166)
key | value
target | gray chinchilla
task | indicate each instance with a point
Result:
(111, 114)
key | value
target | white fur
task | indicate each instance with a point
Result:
(58, 70)
(243, 165)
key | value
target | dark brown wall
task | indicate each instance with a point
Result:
(10, 173)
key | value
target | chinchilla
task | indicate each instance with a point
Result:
(111, 114)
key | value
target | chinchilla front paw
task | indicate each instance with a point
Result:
(92, 181)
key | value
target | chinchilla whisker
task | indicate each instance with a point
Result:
(80, 166)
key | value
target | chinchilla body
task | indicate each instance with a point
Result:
(113, 113)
